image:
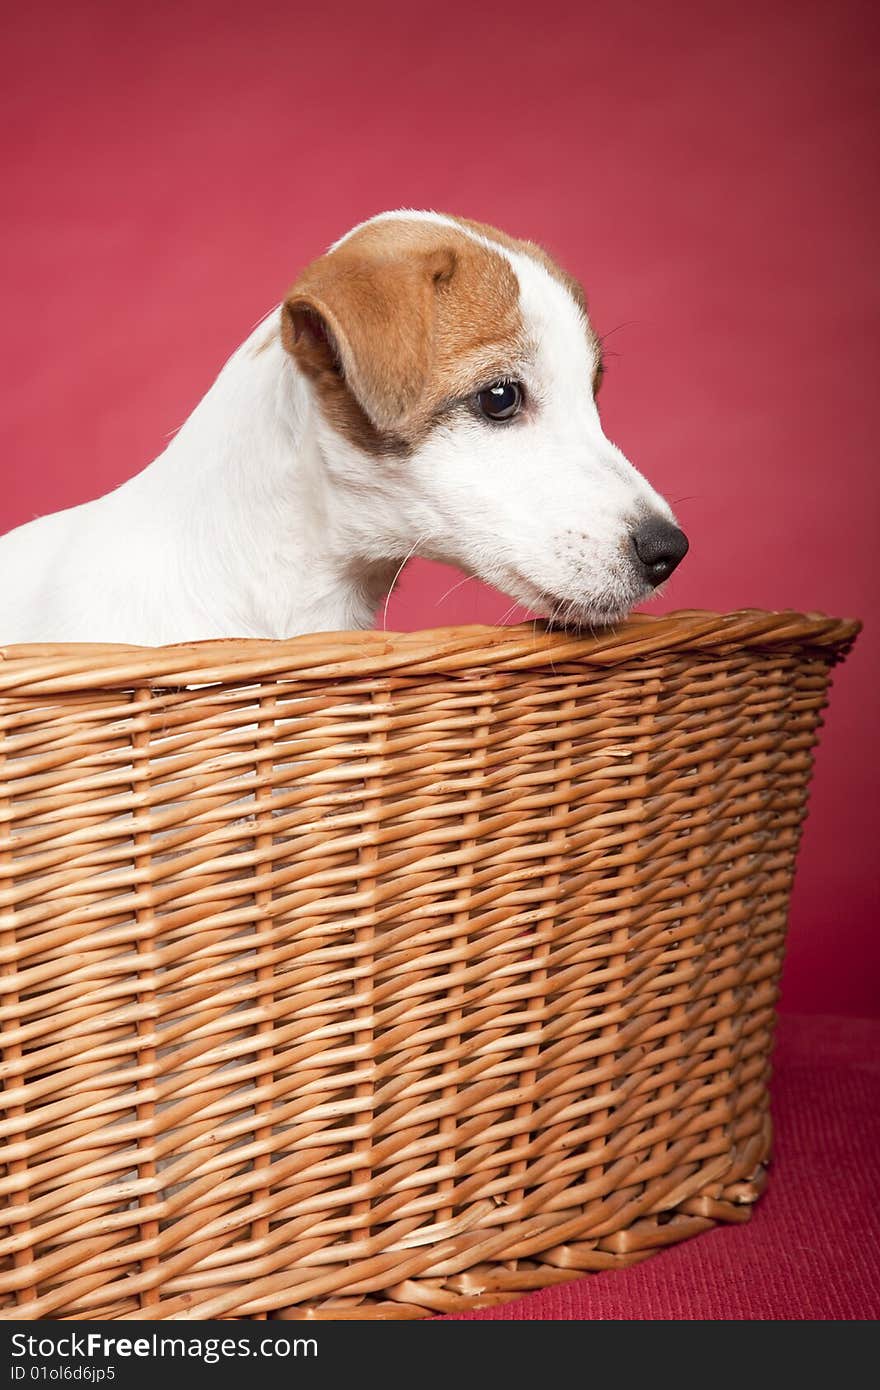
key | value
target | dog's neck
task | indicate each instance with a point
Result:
(271, 550)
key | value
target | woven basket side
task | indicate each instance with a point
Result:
(382, 995)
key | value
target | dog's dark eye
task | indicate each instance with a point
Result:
(501, 401)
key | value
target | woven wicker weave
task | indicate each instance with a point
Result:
(375, 976)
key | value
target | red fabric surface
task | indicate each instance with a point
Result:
(812, 1247)
(707, 170)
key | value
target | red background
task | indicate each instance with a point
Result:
(708, 169)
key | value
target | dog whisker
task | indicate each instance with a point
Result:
(629, 323)
(397, 575)
(508, 612)
(467, 579)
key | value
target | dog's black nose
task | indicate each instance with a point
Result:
(659, 546)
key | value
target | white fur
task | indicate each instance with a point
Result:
(259, 520)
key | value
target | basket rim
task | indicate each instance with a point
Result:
(54, 668)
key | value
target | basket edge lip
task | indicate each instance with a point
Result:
(323, 655)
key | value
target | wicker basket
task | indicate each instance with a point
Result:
(377, 976)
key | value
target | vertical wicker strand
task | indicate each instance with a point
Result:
(553, 882)
(145, 945)
(12, 1051)
(265, 972)
(693, 909)
(368, 861)
(648, 695)
(739, 1040)
(691, 912)
(454, 1013)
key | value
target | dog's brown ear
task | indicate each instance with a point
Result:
(366, 316)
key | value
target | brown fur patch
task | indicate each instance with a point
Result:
(537, 253)
(400, 319)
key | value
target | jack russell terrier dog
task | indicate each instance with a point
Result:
(428, 388)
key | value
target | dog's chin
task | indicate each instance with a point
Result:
(583, 613)
(585, 617)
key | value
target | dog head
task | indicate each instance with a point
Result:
(454, 373)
